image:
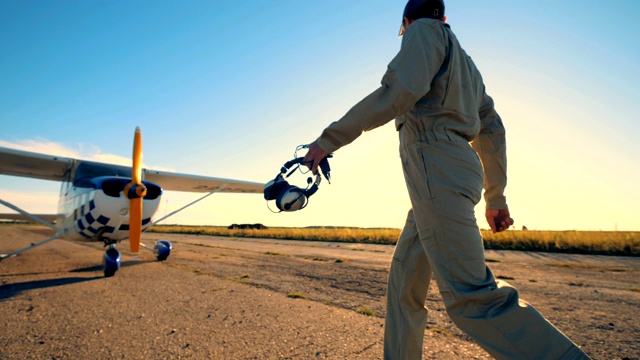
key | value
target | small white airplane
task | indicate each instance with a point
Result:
(106, 202)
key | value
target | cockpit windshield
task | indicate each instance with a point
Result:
(92, 170)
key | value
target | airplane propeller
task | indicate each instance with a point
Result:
(135, 192)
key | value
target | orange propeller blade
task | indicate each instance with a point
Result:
(136, 170)
(135, 202)
(135, 225)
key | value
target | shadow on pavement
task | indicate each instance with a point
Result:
(10, 290)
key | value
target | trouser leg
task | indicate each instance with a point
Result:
(444, 178)
(409, 279)
(489, 311)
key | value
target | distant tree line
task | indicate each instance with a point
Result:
(247, 226)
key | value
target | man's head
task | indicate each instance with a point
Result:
(418, 9)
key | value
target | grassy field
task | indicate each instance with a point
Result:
(579, 242)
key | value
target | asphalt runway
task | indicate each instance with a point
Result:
(225, 298)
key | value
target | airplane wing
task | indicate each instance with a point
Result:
(196, 183)
(34, 165)
(49, 167)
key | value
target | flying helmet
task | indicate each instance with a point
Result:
(417, 9)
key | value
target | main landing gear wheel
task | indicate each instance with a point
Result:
(162, 249)
(111, 262)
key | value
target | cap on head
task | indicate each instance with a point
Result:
(417, 9)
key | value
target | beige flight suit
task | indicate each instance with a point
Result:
(437, 96)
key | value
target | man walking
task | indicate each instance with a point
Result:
(452, 144)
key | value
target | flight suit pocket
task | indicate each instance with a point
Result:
(439, 260)
(464, 172)
(416, 167)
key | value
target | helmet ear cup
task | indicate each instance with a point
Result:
(291, 199)
(274, 187)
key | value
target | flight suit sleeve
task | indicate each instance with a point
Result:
(490, 144)
(407, 79)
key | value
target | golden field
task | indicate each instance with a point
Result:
(580, 242)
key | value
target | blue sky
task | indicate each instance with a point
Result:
(229, 89)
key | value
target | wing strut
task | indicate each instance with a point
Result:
(32, 217)
(189, 204)
(4, 256)
(35, 218)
